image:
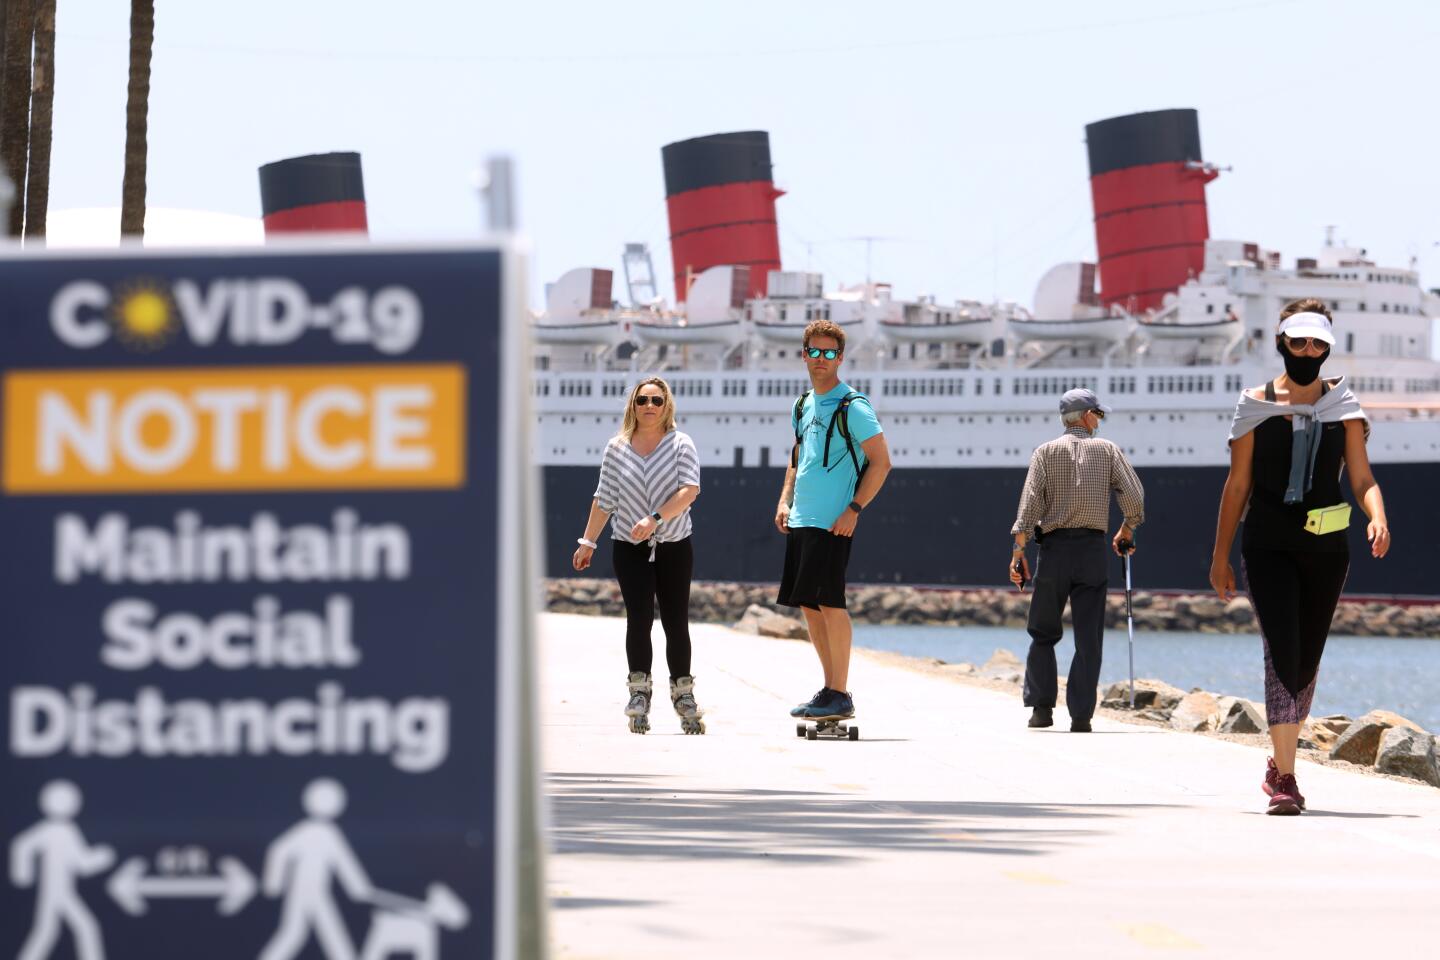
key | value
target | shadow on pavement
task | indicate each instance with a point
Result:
(626, 815)
(589, 903)
(1347, 815)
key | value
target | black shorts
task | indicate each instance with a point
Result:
(815, 562)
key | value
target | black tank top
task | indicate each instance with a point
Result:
(1273, 524)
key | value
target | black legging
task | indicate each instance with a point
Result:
(1294, 595)
(641, 584)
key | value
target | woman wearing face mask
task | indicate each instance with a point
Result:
(1289, 441)
(649, 476)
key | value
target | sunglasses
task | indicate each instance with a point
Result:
(1099, 414)
(814, 353)
(656, 401)
(1296, 344)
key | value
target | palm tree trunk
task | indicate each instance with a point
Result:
(137, 107)
(15, 106)
(42, 101)
(2, 50)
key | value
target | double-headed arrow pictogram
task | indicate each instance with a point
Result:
(233, 886)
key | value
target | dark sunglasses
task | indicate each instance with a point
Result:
(814, 353)
(1099, 414)
(1296, 344)
(657, 401)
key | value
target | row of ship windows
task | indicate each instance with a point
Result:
(1405, 278)
(812, 312)
(904, 420)
(1050, 386)
(780, 454)
(913, 386)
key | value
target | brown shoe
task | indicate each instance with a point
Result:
(1272, 777)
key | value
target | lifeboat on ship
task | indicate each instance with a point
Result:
(1102, 329)
(1172, 324)
(794, 299)
(1067, 308)
(579, 311)
(714, 311)
(967, 323)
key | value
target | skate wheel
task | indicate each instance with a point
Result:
(854, 733)
(799, 729)
(812, 734)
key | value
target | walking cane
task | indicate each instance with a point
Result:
(1125, 549)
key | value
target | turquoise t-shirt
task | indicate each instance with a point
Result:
(821, 493)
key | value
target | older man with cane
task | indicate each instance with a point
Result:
(1066, 502)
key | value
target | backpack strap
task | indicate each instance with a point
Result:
(841, 418)
(795, 423)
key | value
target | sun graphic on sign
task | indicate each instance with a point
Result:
(143, 315)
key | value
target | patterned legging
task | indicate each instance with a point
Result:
(1294, 594)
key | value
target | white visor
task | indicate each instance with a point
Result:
(1308, 325)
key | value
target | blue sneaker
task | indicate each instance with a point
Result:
(820, 695)
(836, 706)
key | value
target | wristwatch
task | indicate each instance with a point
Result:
(656, 516)
(856, 507)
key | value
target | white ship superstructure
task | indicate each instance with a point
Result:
(1179, 325)
(973, 384)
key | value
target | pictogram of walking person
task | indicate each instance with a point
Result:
(302, 864)
(52, 856)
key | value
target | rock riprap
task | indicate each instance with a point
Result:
(712, 602)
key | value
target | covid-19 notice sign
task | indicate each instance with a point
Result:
(260, 603)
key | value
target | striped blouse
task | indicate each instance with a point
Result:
(632, 486)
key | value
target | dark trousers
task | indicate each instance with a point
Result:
(1294, 594)
(642, 582)
(1072, 568)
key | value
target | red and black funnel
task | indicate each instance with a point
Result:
(722, 206)
(321, 193)
(1147, 181)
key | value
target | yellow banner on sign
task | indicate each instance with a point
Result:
(234, 428)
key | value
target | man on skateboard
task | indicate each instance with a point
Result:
(838, 465)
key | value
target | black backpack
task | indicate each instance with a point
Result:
(840, 417)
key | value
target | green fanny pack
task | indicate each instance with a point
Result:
(1324, 520)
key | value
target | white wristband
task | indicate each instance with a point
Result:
(587, 543)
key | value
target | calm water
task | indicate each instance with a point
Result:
(1357, 674)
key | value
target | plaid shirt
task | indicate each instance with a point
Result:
(1069, 485)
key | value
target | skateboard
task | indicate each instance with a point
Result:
(828, 728)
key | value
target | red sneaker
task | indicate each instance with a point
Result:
(1285, 798)
(1272, 777)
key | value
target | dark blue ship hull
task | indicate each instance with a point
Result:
(950, 526)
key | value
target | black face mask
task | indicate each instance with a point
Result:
(1301, 369)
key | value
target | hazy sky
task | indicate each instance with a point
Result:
(955, 130)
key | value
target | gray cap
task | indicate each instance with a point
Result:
(1079, 399)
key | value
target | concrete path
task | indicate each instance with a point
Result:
(949, 830)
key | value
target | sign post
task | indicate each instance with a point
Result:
(267, 605)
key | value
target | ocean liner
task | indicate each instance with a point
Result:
(1178, 324)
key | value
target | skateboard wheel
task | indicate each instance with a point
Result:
(799, 729)
(812, 735)
(854, 733)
